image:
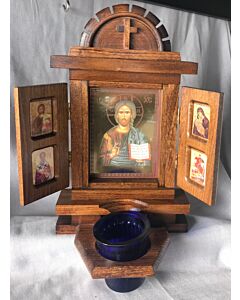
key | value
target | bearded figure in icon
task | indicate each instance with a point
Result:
(114, 149)
(42, 124)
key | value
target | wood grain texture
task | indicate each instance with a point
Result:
(166, 45)
(99, 267)
(123, 53)
(103, 34)
(209, 147)
(160, 220)
(171, 98)
(122, 183)
(168, 135)
(127, 33)
(26, 144)
(130, 85)
(124, 77)
(65, 225)
(76, 133)
(103, 14)
(138, 10)
(152, 18)
(117, 67)
(119, 8)
(84, 38)
(173, 223)
(97, 202)
(79, 220)
(146, 38)
(120, 194)
(179, 226)
(19, 146)
(85, 132)
(91, 24)
(123, 65)
(162, 31)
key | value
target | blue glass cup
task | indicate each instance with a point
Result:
(123, 237)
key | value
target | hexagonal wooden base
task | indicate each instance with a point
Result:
(99, 267)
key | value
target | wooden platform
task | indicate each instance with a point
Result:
(99, 267)
(87, 206)
(96, 202)
(65, 225)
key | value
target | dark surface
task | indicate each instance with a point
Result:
(215, 8)
(124, 285)
(122, 236)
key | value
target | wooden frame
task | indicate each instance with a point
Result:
(27, 144)
(79, 133)
(96, 202)
(94, 64)
(161, 65)
(168, 119)
(168, 135)
(209, 147)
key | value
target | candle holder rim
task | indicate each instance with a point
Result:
(144, 234)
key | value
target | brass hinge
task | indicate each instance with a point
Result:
(69, 157)
(69, 111)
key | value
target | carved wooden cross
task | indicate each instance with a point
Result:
(127, 29)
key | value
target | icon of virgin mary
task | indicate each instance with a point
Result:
(201, 124)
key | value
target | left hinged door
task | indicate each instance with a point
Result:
(41, 115)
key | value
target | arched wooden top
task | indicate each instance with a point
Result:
(125, 27)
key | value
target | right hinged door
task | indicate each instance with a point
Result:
(199, 142)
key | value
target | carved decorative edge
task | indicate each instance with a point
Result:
(103, 15)
(119, 8)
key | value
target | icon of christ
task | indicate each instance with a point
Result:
(118, 146)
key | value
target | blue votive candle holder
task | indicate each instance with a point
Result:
(123, 237)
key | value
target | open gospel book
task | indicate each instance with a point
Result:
(139, 152)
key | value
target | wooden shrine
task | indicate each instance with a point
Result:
(142, 163)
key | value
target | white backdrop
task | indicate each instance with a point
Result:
(42, 28)
(196, 264)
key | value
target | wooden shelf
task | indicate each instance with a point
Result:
(69, 224)
(91, 202)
